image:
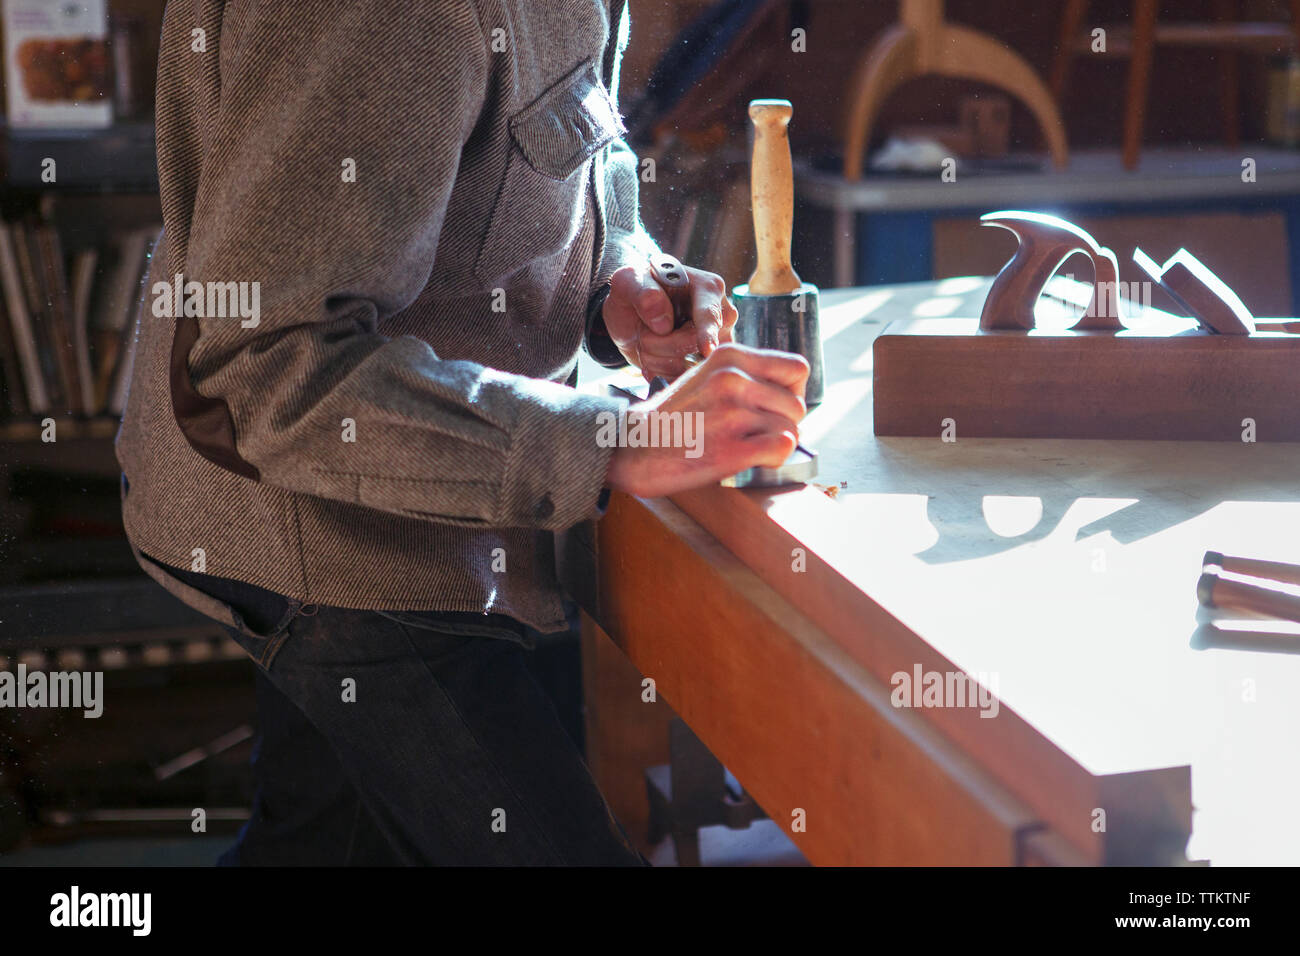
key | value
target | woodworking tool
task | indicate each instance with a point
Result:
(672, 278)
(1212, 377)
(799, 468)
(1253, 567)
(1215, 591)
(777, 310)
(1200, 293)
(1043, 242)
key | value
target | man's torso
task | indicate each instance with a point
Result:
(509, 287)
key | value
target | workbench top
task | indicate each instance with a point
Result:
(1063, 575)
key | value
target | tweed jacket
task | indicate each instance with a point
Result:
(383, 225)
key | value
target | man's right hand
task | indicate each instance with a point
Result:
(750, 403)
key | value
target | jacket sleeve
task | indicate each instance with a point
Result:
(318, 400)
(626, 239)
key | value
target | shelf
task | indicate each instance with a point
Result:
(87, 610)
(64, 428)
(119, 159)
(1095, 176)
(84, 446)
(1264, 38)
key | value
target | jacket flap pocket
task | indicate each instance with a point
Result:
(567, 124)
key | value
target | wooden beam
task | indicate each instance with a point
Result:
(805, 727)
(626, 733)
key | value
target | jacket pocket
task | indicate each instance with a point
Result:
(540, 204)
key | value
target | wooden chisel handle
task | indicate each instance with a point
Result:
(1215, 591)
(1253, 568)
(671, 276)
(772, 191)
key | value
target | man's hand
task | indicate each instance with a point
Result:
(639, 318)
(750, 402)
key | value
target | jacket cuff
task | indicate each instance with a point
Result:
(597, 340)
(557, 463)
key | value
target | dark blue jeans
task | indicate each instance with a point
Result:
(412, 737)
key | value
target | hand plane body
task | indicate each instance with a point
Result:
(1213, 376)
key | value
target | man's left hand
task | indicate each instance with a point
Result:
(639, 318)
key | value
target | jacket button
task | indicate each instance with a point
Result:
(545, 508)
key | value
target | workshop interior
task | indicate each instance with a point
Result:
(1026, 591)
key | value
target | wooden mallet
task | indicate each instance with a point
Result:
(776, 309)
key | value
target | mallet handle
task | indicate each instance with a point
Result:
(772, 191)
(1214, 591)
(1253, 567)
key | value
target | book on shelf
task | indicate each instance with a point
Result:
(81, 278)
(68, 320)
(27, 389)
(52, 286)
(11, 377)
(47, 345)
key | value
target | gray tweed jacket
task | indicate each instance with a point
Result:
(412, 205)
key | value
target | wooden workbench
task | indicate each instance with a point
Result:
(1060, 573)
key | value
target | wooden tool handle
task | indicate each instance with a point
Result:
(772, 191)
(1214, 591)
(1253, 567)
(1043, 243)
(671, 276)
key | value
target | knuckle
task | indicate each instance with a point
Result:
(726, 419)
(623, 278)
(730, 381)
(778, 449)
(648, 299)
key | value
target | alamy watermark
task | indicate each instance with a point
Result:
(922, 688)
(209, 300)
(652, 429)
(1109, 296)
(82, 690)
(75, 908)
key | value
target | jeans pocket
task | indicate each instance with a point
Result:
(256, 618)
(262, 641)
(466, 625)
